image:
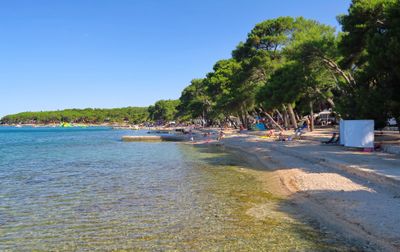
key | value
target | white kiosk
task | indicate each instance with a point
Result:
(357, 133)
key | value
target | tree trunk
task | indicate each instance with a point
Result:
(273, 121)
(203, 121)
(312, 116)
(241, 118)
(244, 116)
(398, 122)
(279, 114)
(297, 116)
(292, 116)
(329, 100)
(335, 67)
(285, 117)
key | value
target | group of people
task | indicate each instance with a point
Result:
(305, 125)
(207, 136)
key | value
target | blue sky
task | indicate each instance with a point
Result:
(117, 53)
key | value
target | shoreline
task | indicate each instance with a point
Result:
(360, 205)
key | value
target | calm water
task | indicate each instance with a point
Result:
(84, 189)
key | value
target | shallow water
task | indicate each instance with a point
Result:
(84, 189)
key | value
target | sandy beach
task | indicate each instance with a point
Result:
(351, 192)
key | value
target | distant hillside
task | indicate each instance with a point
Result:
(88, 115)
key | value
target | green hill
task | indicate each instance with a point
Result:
(88, 115)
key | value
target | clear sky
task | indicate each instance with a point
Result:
(116, 53)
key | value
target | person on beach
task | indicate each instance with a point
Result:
(281, 137)
(191, 135)
(270, 133)
(299, 131)
(221, 135)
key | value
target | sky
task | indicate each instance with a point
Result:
(117, 53)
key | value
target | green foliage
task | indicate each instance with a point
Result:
(259, 57)
(89, 115)
(371, 48)
(268, 36)
(272, 67)
(165, 110)
(298, 61)
(365, 19)
(221, 86)
(215, 96)
(301, 74)
(284, 86)
(194, 102)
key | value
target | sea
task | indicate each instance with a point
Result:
(83, 189)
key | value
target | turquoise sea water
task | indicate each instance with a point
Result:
(84, 189)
